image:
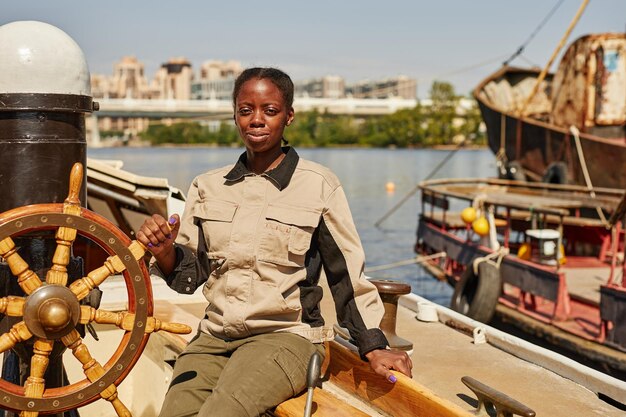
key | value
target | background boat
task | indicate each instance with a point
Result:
(545, 258)
(572, 127)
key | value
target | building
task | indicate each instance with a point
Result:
(216, 81)
(128, 81)
(100, 86)
(402, 86)
(330, 86)
(173, 80)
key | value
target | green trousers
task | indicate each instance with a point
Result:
(246, 377)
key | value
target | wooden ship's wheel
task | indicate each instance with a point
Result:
(51, 310)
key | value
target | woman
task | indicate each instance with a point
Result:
(258, 233)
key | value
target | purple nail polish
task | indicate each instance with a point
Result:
(150, 244)
(392, 378)
(172, 220)
(169, 236)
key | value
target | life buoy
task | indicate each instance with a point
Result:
(476, 296)
(556, 173)
(513, 171)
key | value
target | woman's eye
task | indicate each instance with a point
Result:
(271, 111)
(244, 112)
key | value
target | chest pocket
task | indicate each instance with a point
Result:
(215, 217)
(286, 234)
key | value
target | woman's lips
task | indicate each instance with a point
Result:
(257, 136)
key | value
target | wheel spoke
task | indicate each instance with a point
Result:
(18, 333)
(126, 321)
(12, 306)
(113, 265)
(27, 279)
(65, 236)
(93, 370)
(35, 383)
(57, 274)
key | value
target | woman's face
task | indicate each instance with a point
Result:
(261, 115)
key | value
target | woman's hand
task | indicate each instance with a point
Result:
(158, 235)
(382, 361)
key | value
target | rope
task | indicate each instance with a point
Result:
(417, 187)
(583, 165)
(500, 253)
(469, 67)
(479, 201)
(501, 158)
(416, 260)
(534, 33)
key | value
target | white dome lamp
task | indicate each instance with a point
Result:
(45, 92)
(40, 58)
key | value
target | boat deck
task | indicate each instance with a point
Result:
(584, 283)
(584, 275)
(441, 356)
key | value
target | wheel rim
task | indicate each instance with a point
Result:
(98, 229)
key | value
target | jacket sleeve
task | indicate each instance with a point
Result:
(358, 305)
(192, 263)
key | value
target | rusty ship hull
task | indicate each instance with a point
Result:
(573, 126)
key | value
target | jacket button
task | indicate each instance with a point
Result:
(187, 289)
(188, 279)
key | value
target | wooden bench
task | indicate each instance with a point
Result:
(324, 405)
(451, 220)
(406, 397)
(552, 219)
(342, 371)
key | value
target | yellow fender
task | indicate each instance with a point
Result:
(524, 251)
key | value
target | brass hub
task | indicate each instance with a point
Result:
(54, 314)
(51, 311)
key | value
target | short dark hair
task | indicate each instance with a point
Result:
(276, 76)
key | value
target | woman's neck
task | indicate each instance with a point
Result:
(260, 163)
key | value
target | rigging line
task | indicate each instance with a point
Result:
(534, 33)
(417, 187)
(583, 165)
(416, 260)
(471, 67)
(528, 61)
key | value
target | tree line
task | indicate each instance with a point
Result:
(437, 124)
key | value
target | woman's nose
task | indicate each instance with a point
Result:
(257, 118)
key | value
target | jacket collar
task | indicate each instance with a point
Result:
(280, 176)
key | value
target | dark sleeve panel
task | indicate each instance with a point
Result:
(342, 290)
(191, 271)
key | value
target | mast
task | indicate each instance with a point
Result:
(544, 72)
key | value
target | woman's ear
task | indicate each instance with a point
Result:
(290, 116)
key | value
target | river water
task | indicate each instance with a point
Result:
(364, 174)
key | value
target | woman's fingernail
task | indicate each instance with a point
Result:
(169, 236)
(150, 245)
(157, 245)
(392, 378)
(172, 220)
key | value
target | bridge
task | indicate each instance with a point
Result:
(223, 109)
(218, 110)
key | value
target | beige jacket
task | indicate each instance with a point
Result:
(261, 241)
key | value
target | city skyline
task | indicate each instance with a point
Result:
(177, 79)
(446, 40)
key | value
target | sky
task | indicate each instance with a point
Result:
(458, 41)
